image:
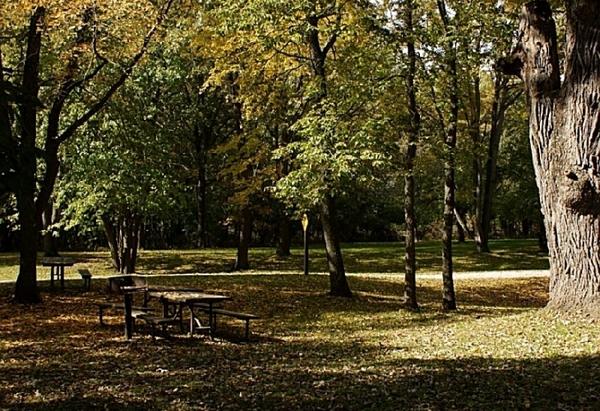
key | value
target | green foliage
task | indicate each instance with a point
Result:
(332, 155)
(121, 162)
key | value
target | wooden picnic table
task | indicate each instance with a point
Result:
(191, 299)
(57, 268)
(177, 298)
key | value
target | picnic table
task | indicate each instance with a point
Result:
(57, 268)
(173, 300)
(192, 300)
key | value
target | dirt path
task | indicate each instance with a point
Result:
(471, 274)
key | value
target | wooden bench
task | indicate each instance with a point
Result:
(136, 312)
(86, 275)
(234, 314)
(117, 282)
(206, 306)
(154, 321)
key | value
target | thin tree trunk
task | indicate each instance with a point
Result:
(461, 224)
(201, 143)
(475, 132)
(111, 238)
(410, 267)
(460, 233)
(503, 99)
(337, 273)
(284, 240)
(136, 224)
(492, 160)
(49, 218)
(202, 218)
(448, 295)
(242, 262)
(338, 284)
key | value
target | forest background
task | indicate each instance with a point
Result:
(181, 125)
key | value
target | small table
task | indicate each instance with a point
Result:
(57, 268)
(190, 298)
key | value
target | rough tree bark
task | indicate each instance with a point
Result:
(565, 142)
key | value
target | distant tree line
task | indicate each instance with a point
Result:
(220, 125)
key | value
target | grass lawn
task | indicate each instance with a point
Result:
(385, 258)
(500, 351)
(309, 351)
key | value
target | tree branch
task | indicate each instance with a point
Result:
(126, 74)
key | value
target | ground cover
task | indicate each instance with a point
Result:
(309, 351)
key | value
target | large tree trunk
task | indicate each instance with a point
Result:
(338, 285)
(565, 141)
(26, 287)
(26, 290)
(410, 265)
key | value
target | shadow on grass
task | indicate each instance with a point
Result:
(264, 377)
(57, 356)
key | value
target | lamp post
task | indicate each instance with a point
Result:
(305, 228)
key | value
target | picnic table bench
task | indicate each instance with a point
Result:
(86, 275)
(135, 311)
(234, 314)
(155, 320)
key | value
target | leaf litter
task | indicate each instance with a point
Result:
(308, 351)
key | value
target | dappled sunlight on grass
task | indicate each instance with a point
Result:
(386, 258)
(500, 351)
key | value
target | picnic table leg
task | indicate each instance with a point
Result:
(165, 308)
(211, 322)
(61, 269)
(51, 277)
(192, 320)
(128, 317)
(181, 317)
